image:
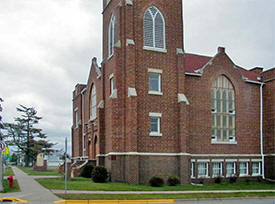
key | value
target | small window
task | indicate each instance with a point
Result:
(112, 35)
(155, 81)
(202, 169)
(243, 168)
(76, 118)
(256, 168)
(192, 169)
(112, 86)
(230, 169)
(155, 124)
(217, 169)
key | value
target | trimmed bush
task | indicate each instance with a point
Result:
(156, 181)
(233, 179)
(87, 171)
(173, 180)
(218, 180)
(99, 174)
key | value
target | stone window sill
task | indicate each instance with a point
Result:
(155, 49)
(155, 134)
(223, 142)
(155, 93)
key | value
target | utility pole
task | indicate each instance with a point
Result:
(1, 160)
(66, 167)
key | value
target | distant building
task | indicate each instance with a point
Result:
(152, 108)
(54, 159)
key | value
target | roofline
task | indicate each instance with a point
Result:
(193, 74)
(253, 82)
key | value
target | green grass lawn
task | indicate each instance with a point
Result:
(86, 184)
(7, 189)
(157, 196)
(49, 172)
(8, 171)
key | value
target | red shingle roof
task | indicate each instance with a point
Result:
(194, 62)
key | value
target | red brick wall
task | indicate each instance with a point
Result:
(198, 92)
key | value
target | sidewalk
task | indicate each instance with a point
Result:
(30, 189)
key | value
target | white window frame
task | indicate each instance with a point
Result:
(220, 169)
(111, 38)
(154, 48)
(259, 167)
(207, 170)
(246, 169)
(234, 169)
(159, 72)
(158, 117)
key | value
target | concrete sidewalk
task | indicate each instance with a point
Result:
(30, 189)
(161, 192)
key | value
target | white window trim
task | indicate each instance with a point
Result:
(234, 166)
(158, 116)
(207, 170)
(247, 169)
(221, 169)
(154, 48)
(159, 72)
(112, 86)
(76, 118)
(213, 141)
(259, 166)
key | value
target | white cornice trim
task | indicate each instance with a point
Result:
(178, 154)
(253, 82)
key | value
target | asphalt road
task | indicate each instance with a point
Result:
(231, 201)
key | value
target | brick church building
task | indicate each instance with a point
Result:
(151, 108)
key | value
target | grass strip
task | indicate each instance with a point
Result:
(7, 189)
(88, 185)
(8, 171)
(49, 172)
(158, 196)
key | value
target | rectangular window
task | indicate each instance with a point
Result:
(243, 168)
(76, 118)
(112, 85)
(155, 121)
(230, 169)
(155, 81)
(256, 168)
(202, 169)
(192, 169)
(217, 169)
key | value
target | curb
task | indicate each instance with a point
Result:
(113, 201)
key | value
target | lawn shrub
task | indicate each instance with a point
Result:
(99, 174)
(87, 171)
(173, 180)
(218, 179)
(233, 179)
(201, 180)
(156, 181)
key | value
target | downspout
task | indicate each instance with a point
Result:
(261, 129)
(82, 120)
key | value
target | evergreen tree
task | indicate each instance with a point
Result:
(23, 134)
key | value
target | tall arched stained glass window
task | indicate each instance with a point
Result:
(154, 28)
(93, 103)
(223, 110)
(112, 35)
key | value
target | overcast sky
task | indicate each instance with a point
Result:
(46, 47)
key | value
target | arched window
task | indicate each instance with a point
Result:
(93, 103)
(154, 28)
(112, 35)
(223, 110)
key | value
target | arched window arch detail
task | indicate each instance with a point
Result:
(223, 110)
(154, 28)
(93, 105)
(112, 35)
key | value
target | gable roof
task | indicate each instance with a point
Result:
(193, 62)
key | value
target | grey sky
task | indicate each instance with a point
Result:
(46, 47)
